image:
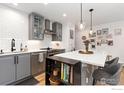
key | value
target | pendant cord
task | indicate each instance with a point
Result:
(81, 13)
(91, 24)
(91, 21)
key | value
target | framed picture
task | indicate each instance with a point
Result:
(105, 31)
(71, 34)
(93, 46)
(84, 38)
(99, 37)
(110, 42)
(103, 41)
(118, 31)
(109, 36)
(93, 34)
(99, 32)
(92, 40)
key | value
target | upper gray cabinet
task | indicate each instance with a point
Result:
(36, 27)
(57, 29)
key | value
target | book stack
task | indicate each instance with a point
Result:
(66, 73)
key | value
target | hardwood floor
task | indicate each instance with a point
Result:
(122, 77)
(41, 79)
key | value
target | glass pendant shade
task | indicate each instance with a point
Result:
(91, 31)
(81, 22)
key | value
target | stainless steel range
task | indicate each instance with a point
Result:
(51, 52)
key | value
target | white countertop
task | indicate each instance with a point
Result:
(98, 58)
(15, 53)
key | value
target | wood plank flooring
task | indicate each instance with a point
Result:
(41, 79)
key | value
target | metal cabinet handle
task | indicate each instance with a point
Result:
(17, 59)
(35, 54)
(14, 59)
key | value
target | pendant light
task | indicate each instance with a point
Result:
(91, 22)
(81, 22)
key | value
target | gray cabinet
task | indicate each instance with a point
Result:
(7, 70)
(57, 29)
(36, 27)
(23, 66)
(14, 68)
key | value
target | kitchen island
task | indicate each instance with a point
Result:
(97, 58)
(83, 66)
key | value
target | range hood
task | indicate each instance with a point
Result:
(48, 27)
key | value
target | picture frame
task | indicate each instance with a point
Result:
(118, 31)
(99, 32)
(93, 34)
(92, 40)
(110, 42)
(105, 31)
(109, 36)
(84, 38)
(103, 41)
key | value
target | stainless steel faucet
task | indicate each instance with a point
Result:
(13, 45)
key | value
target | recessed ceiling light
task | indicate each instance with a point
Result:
(16, 4)
(45, 3)
(64, 15)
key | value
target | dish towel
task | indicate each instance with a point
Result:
(41, 57)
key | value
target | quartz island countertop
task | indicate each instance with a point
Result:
(97, 58)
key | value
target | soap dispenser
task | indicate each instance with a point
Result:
(21, 47)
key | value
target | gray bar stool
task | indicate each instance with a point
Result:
(109, 74)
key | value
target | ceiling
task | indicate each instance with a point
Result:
(103, 12)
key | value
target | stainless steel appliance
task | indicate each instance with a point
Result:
(36, 66)
(51, 52)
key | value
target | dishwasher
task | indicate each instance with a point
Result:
(36, 66)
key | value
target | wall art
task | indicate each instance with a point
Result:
(99, 32)
(105, 31)
(118, 31)
(110, 42)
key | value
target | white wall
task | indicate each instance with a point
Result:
(14, 24)
(118, 47)
(67, 43)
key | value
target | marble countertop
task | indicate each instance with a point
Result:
(97, 58)
(20, 52)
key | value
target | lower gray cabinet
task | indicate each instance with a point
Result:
(7, 70)
(14, 68)
(23, 66)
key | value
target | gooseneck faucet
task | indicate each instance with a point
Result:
(13, 45)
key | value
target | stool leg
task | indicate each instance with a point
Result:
(94, 81)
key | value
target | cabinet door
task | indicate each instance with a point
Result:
(23, 66)
(36, 29)
(57, 28)
(7, 70)
(59, 35)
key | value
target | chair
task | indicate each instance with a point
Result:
(109, 75)
(113, 61)
(110, 63)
